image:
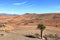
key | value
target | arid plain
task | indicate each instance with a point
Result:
(16, 27)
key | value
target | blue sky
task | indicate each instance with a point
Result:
(29, 6)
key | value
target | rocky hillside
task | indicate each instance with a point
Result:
(52, 19)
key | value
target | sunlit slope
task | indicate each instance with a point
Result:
(13, 22)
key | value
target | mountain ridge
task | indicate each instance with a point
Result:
(5, 14)
(31, 20)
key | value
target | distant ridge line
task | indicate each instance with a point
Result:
(4, 14)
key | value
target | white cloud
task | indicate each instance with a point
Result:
(22, 3)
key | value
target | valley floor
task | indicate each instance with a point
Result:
(20, 34)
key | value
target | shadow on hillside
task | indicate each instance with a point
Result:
(30, 36)
(46, 37)
(33, 36)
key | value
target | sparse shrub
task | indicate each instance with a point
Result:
(56, 26)
(11, 21)
(54, 17)
(7, 31)
(45, 37)
(30, 21)
(2, 34)
(37, 35)
(56, 35)
(2, 25)
(52, 37)
(25, 22)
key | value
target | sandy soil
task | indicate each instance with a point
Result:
(20, 34)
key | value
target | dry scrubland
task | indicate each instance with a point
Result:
(19, 27)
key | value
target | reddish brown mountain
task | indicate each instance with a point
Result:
(12, 22)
